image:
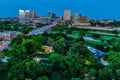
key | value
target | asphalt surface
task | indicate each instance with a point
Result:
(41, 30)
(97, 53)
(4, 45)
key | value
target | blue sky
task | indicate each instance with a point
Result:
(108, 9)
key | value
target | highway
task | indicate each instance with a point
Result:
(103, 33)
(4, 45)
(91, 39)
(97, 54)
(40, 30)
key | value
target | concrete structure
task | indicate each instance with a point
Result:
(9, 34)
(60, 17)
(76, 18)
(21, 16)
(43, 20)
(27, 16)
(83, 21)
(106, 21)
(33, 15)
(24, 16)
(49, 14)
(53, 15)
(67, 15)
(15, 19)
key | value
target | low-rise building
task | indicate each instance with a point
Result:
(43, 20)
(9, 34)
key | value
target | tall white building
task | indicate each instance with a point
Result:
(27, 16)
(21, 16)
(24, 16)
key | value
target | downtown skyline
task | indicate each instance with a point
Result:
(105, 9)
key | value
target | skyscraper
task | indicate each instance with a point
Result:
(67, 15)
(32, 16)
(76, 18)
(53, 15)
(27, 16)
(49, 14)
(24, 16)
(21, 16)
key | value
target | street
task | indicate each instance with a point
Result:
(40, 30)
(4, 45)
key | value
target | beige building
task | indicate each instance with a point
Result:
(32, 16)
(83, 19)
(67, 15)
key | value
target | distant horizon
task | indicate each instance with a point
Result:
(100, 9)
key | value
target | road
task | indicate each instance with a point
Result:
(97, 54)
(103, 33)
(96, 28)
(4, 45)
(41, 30)
(91, 39)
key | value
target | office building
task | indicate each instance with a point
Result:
(9, 34)
(21, 16)
(67, 15)
(76, 18)
(43, 20)
(83, 19)
(49, 14)
(53, 15)
(24, 16)
(27, 16)
(33, 15)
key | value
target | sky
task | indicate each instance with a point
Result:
(99, 9)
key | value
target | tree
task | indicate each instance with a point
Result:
(105, 74)
(50, 41)
(25, 70)
(59, 46)
(15, 70)
(56, 60)
(79, 48)
(116, 47)
(113, 59)
(76, 79)
(29, 46)
(70, 65)
(103, 47)
(95, 35)
(43, 78)
(81, 33)
(92, 73)
(17, 40)
(26, 30)
(116, 32)
(33, 69)
(117, 72)
(38, 42)
(69, 31)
